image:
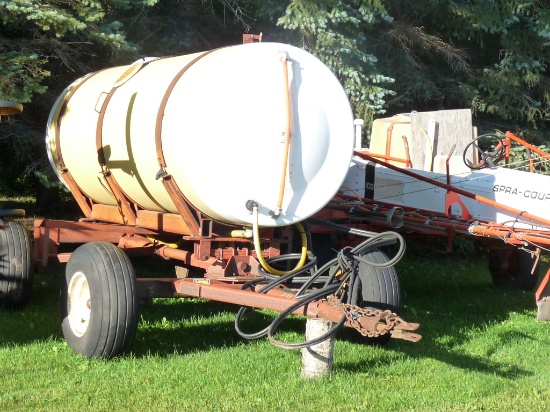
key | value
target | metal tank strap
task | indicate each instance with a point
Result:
(180, 201)
(124, 202)
(83, 201)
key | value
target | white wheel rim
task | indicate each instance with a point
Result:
(79, 303)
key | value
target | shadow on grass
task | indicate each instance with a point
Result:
(452, 304)
(167, 327)
(428, 348)
(40, 320)
(173, 327)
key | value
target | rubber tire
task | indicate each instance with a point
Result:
(113, 301)
(515, 272)
(16, 274)
(323, 248)
(379, 288)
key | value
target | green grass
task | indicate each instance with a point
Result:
(482, 349)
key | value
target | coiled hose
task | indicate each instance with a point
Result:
(337, 277)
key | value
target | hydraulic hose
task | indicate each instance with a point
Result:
(272, 328)
(341, 281)
(257, 246)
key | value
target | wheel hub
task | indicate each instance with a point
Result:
(79, 304)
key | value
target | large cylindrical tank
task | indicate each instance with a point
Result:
(220, 119)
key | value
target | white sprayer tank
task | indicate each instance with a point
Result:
(222, 132)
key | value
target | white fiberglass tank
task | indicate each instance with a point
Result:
(222, 122)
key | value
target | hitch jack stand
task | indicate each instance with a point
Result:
(542, 297)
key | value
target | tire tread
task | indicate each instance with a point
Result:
(16, 273)
(380, 287)
(116, 304)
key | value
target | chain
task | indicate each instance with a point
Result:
(354, 313)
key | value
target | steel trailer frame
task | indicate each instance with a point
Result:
(226, 268)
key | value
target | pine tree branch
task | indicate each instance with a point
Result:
(411, 39)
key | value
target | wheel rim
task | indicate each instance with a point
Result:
(79, 303)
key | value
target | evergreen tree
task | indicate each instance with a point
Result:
(398, 55)
(390, 55)
(44, 45)
(38, 37)
(337, 33)
(510, 42)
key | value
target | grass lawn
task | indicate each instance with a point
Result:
(482, 349)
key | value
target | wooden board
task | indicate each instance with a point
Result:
(453, 127)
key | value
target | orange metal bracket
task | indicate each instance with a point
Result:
(252, 38)
(83, 201)
(124, 203)
(511, 136)
(182, 204)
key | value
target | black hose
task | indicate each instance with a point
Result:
(308, 266)
(280, 280)
(302, 302)
(327, 280)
